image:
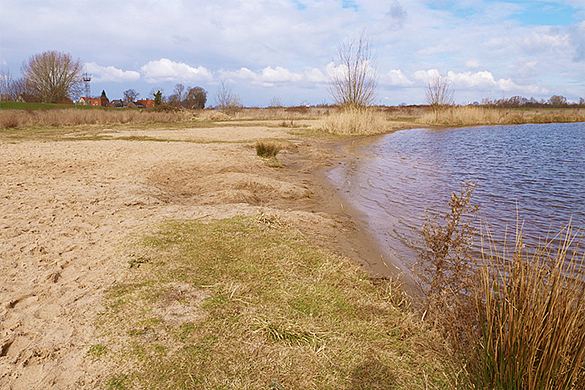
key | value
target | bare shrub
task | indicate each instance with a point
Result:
(354, 81)
(515, 318)
(439, 93)
(445, 268)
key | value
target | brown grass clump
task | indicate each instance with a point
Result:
(531, 316)
(267, 149)
(356, 121)
(516, 319)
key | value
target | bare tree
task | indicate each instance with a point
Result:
(439, 92)
(130, 95)
(226, 100)
(54, 76)
(354, 81)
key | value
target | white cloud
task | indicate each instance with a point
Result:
(482, 80)
(110, 73)
(270, 76)
(166, 70)
(395, 77)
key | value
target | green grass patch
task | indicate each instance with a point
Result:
(239, 303)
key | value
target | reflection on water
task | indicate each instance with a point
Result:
(531, 173)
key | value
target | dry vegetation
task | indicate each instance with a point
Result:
(18, 119)
(330, 120)
(473, 116)
(515, 318)
(356, 121)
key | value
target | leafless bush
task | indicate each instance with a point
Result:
(353, 82)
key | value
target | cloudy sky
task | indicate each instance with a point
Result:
(284, 48)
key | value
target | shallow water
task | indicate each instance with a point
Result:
(533, 174)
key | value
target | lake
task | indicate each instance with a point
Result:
(531, 174)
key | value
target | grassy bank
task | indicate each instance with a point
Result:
(249, 303)
(329, 120)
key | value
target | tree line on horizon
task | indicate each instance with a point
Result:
(55, 77)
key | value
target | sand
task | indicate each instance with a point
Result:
(68, 206)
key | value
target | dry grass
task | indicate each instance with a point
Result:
(531, 317)
(18, 119)
(248, 303)
(268, 149)
(515, 318)
(354, 121)
(471, 116)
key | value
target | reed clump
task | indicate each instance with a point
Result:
(515, 316)
(474, 115)
(530, 317)
(357, 121)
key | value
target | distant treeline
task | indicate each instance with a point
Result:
(555, 101)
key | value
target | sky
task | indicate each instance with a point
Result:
(285, 50)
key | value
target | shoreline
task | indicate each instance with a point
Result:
(70, 205)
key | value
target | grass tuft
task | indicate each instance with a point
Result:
(267, 149)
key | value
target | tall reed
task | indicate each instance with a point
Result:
(516, 315)
(530, 310)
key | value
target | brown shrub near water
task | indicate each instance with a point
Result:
(356, 121)
(515, 317)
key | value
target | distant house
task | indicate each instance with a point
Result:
(84, 101)
(145, 103)
(96, 102)
(27, 98)
(116, 103)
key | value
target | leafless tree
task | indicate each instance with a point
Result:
(225, 99)
(54, 76)
(177, 96)
(439, 92)
(130, 95)
(354, 80)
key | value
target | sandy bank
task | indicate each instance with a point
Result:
(68, 205)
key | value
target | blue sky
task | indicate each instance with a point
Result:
(285, 48)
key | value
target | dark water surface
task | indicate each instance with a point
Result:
(529, 173)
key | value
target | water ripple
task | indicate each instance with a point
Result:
(531, 173)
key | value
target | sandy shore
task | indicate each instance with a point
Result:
(68, 205)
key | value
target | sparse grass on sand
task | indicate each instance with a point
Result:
(249, 303)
